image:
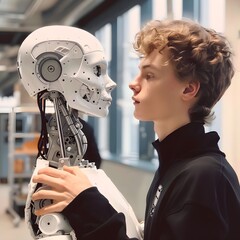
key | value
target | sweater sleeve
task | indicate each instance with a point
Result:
(92, 217)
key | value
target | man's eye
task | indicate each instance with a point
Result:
(149, 76)
(97, 70)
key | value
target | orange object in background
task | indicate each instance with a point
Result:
(19, 166)
(28, 147)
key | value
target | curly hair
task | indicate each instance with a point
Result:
(196, 53)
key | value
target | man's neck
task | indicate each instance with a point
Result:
(164, 128)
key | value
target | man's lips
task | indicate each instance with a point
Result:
(135, 101)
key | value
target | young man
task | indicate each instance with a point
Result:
(195, 194)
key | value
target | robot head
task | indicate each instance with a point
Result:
(68, 60)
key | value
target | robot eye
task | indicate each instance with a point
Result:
(97, 70)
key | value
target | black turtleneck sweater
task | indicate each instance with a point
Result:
(195, 195)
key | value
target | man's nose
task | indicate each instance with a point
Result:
(134, 82)
(134, 86)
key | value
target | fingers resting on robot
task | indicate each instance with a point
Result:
(64, 185)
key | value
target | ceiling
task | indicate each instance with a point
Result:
(19, 18)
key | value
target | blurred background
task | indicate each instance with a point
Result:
(124, 143)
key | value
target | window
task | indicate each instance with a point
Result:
(159, 9)
(128, 24)
(123, 130)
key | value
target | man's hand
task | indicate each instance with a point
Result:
(64, 185)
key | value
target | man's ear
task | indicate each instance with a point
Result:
(190, 91)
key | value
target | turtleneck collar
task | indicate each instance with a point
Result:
(186, 142)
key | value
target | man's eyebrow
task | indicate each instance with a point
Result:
(144, 66)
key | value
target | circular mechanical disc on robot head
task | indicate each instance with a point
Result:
(50, 69)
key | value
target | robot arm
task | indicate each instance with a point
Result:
(70, 70)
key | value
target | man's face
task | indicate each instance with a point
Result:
(156, 90)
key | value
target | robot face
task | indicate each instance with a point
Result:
(68, 60)
(90, 85)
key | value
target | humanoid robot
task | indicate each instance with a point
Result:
(67, 66)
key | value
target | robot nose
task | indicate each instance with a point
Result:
(110, 85)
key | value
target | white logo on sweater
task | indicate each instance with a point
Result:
(156, 198)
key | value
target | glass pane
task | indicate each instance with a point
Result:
(104, 35)
(128, 26)
(159, 9)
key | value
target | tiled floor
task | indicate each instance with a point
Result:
(8, 229)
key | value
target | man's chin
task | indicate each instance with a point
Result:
(140, 117)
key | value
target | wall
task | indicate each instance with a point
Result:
(231, 101)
